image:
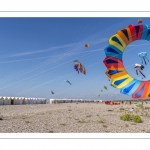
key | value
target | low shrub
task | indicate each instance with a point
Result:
(133, 118)
(141, 106)
(121, 108)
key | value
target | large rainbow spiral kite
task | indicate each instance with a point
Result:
(113, 61)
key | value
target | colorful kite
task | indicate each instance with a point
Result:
(79, 67)
(52, 92)
(105, 87)
(139, 21)
(67, 82)
(115, 68)
(138, 69)
(143, 56)
(86, 45)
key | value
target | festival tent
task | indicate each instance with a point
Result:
(1, 100)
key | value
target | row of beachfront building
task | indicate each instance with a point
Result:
(21, 100)
(56, 101)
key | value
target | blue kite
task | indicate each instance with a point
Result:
(143, 56)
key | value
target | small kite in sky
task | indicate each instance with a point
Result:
(143, 56)
(138, 69)
(67, 82)
(105, 87)
(86, 45)
(52, 92)
(79, 67)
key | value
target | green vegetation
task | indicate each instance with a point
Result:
(63, 124)
(101, 121)
(133, 118)
(88, 115)
(141, 106)
(121, 108)
(27, 121)
(147, 107)
(104, 126)
(82, 121)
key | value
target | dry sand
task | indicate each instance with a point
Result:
(72, 118)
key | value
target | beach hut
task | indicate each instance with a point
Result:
(34, 100)
(26, 101)
(44, 101)
(38, 100)
(7, 101)
(30, 100)
(23, 101)
(17, 101)
(1, 100)
(12, 99)
(41, 101)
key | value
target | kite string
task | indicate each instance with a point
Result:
(47, 82)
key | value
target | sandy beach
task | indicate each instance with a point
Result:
(73, 118)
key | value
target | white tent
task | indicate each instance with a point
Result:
(1, 100)
(7, 100)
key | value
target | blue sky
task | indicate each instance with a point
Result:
(37, 55)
